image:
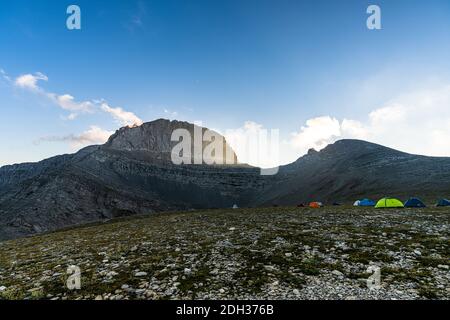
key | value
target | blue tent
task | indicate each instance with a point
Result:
(414, 203)
(366, 203)
(443, 203)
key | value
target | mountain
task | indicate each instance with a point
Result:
(351, 169)
(132, 173)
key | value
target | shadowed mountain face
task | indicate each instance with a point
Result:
(132, 174)
(352, 169)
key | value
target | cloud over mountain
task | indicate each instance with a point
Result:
(69, 103)
(416, 122)
(94, 135)
(125, 118)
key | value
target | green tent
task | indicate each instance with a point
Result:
(389, 203)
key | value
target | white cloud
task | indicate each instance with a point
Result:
(317, 134)
(125, 118)
(67, 102)
(353, 129)
(29, 81)
(417, 122)
(94, 135)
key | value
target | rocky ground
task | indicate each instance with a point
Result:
(268, 253)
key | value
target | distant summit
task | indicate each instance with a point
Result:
(353, 169)
(154, 138)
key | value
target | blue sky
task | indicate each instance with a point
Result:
(300, 66)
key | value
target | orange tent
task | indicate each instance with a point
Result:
(315, 205)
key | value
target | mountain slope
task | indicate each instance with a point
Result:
(350, 169)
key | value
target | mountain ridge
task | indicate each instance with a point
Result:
(353, 168)
(128, 175)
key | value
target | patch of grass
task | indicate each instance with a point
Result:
(12, 294)
(427, 292)
(367, 256)
(311, 267)
(428, 261)
(407, 275)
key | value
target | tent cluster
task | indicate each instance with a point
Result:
(385, 203)
(395, 203)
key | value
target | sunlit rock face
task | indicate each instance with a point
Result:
(159, 138)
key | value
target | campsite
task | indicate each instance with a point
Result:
(386, 202)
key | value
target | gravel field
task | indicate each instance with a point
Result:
(255, 253)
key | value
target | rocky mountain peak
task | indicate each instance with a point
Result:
(356, 146)
(154, 138)
(312, 151)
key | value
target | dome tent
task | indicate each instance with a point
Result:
(443, 203)
(389, 203)
(414, 203)
(364, 203)
(315, 205)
